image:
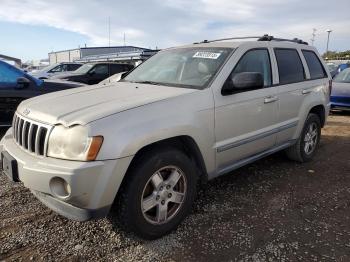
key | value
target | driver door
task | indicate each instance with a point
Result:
(245, 120)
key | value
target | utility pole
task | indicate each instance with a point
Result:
(124, 40)
(109, 31)
(313, 36)
(329, 32)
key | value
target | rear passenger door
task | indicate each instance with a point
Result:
(290, 92)
(244, 121)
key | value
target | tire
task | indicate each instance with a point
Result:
(298, 152)
(140, 185)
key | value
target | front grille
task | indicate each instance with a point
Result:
(31, 136)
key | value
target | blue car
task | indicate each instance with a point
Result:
(340, 96)
(16, 86)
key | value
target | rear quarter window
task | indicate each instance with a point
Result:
(314, 64)
(290, 67)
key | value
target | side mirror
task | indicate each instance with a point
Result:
(243, 81)
(91, 73)
(22, 82)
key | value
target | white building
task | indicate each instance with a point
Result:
(112, 53)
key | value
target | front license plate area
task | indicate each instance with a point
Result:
(9, 166)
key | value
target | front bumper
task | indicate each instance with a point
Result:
(92, 185)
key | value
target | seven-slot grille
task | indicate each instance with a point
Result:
(30, 135)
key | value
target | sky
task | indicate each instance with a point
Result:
(30, 29)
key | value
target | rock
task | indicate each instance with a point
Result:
(78, 247)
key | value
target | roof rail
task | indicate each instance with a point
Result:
(265, 37)
(271, 38)
(230, 38)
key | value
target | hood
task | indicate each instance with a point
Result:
(340, 89)
(86, 104)
(60, 83)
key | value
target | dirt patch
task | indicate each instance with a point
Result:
(271, 210)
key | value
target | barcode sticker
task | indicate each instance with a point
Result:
(208, 55)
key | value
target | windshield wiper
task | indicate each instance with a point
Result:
(147, 82)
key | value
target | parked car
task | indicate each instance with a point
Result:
(340, 97)
(343, 66)
(55, 69)
(333, 69)
(184, 116)
(93, 73)
(16, 86)
(112, 79)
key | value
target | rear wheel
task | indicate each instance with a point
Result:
(306, 146)
(158, 194)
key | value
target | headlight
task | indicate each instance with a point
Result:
(73, 143)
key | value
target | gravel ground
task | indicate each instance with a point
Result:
(272, 210)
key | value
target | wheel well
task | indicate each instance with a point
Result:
(184, 143)
(320, 111)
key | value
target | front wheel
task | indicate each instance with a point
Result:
(306, 146)
(158, 194)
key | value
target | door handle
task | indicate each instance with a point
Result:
(306, 91)
(270, 99)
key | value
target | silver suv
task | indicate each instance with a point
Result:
(188, 114)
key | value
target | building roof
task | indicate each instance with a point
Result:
(100, 47)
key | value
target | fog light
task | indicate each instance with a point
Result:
(59, 187)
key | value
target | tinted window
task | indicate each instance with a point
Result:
(57, 69)
(8, 74)
(116, 69)
(101, 69)
(73, 67)
(315, 67)
(290, 67)
(257, 60)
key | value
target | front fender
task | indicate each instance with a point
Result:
(129, 131)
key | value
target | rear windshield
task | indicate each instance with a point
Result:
(343, 76)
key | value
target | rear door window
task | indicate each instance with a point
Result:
(315, 67)
(73, 67)
(101, 69)
(117, 68)
(290, 67)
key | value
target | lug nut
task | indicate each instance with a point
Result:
(168, 187)
(169, 195)
(161, 188)
(157, 197)
(163, 202)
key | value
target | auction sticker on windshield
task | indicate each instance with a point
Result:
(209, 55)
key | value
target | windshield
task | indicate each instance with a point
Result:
(84, 69)
(183, 67)
(47, 68)
(343, 76)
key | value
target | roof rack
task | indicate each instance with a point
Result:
(271, 38)
(230, 38)
(265, 37)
